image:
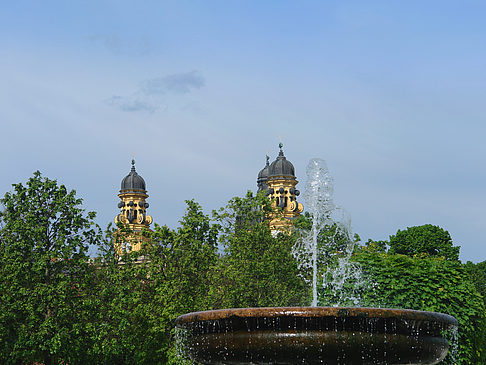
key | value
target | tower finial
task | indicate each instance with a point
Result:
(280, 145)
(133, 164)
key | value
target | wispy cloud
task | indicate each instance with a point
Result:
(130, 104)
(151, 93)
(122, 45)
(181, 83)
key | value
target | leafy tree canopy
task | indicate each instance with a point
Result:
(429, 284)
(44, 239)
(477, 274)
(257, 268)
(138, 296)
(427, 239)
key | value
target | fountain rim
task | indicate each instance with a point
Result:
(314, 312)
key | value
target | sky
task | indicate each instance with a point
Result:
(390, 93)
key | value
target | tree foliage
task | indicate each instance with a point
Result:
(137, 297)
(44, 239)
(58, 305)
(180, 268)
(427, 239)
(116, 323)
(429, 284)
(477, 275)
(257, 268)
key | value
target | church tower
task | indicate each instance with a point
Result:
(263, 177)
(281, 182)
(133, 211)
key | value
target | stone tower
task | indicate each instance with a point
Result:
(281, 182)
(133, 211)
(263, 177)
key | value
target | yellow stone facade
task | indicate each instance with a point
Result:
(282, 193)
(133, 213)
(279, 181)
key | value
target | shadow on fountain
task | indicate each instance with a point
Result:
(315, 335)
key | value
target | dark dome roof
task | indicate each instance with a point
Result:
(281, 166)
(263, 177)
(133, 181)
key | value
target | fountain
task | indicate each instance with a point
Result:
(317, 335)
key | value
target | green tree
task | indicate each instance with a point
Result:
(180, 270)
(427, 239)
(257, 268)
(44, 239)
(114, 312)
(477, 274)
(136, 297)
(430, 284)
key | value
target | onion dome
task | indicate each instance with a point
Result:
(133, 182)
(281, 166)
(263, 177)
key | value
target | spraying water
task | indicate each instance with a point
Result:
(326, 248)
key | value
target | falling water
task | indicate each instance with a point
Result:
(181, 340)
(325, 250)
(452, 335)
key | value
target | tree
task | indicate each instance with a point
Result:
(114, 307)
(477, 274)
(426, 239)
(136, 297)
(429, 284)
(180, 270)
(44, 238)
(257, 268)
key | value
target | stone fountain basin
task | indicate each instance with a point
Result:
(315, 335)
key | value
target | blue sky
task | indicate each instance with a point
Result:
(391, 94)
